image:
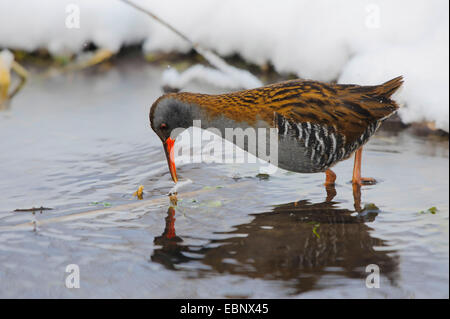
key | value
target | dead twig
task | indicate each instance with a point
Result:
(23, 75)
(33, 209)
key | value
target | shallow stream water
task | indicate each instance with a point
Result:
(81, 144)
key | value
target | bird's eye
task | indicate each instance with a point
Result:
(163, 126)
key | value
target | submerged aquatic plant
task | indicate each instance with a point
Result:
(315, 227)
(432, 210)
(105, 204)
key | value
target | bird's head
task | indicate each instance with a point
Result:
(168, 118)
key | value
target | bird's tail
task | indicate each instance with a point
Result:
(378, 98)
(388, 88)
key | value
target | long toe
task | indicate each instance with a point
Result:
(368, 181)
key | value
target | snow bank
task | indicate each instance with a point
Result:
(223, 75)
(354, 41)
(30, 25)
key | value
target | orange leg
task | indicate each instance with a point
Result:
(331, 177)
(357, 179)
(329, 184)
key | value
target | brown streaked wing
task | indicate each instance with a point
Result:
(348, 108)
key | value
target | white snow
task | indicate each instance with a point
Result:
(6, 60)
(224, 75)
(201, 73)
(352, 41)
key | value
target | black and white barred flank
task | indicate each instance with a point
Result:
(323, 144)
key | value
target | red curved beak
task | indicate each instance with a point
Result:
(168, 148)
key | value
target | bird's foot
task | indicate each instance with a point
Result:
(364, 181)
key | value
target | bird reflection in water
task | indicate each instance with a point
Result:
(298, 243)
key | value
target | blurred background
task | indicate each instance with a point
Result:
(349, 41)
(77, 79)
